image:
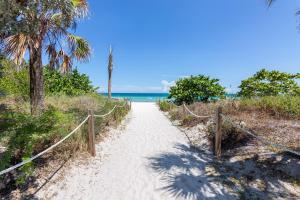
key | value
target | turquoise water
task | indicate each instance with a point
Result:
(140, 97)
(149, 97)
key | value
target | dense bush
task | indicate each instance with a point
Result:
(196, 88)
(13, 80)
(16, 81)
(72, 83)
(25, 134)
(270, 83)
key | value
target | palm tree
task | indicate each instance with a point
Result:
(110, 69)
(42, 25)
(270, 2)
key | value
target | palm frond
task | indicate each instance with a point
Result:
(15, 46)
(65, 60)
(81, 7)
(79, 47)
(52, 55)
(66, 64)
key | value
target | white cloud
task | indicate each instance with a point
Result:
(166, 85)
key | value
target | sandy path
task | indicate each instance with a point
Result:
(150, 159)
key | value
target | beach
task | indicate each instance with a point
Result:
(146, 158)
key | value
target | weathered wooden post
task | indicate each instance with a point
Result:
(218, 136)
(183, 109)
(91, 134)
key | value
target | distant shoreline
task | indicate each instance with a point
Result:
(144, 97)
(139, 97)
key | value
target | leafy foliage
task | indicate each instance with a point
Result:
(70, 84)
(270, 83)
(196, 88)
(16, 82)
(28, 134)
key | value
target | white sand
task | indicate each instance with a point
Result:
(150, 159)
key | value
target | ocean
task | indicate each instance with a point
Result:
(140, 97)
(150, 97)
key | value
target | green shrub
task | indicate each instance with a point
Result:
(196, 88)
(270, 83)
(26, 134)
(14, 81)
(72, 83)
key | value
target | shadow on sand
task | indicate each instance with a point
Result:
(190, 173)
(184, 174)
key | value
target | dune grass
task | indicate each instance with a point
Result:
(278, 106)
(23, 135)
(165, 105)
(275, 118)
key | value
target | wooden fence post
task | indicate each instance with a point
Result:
(183, 109)
(218, 136)
(91, 134)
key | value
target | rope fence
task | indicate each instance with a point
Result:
(193, 114)
(218, 119)
(104, 115)
(278, 146)
(46, 150)
(90, 138)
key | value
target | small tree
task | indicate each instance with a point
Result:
(196, 88)
(270, 83)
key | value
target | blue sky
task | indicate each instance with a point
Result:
(156, 42)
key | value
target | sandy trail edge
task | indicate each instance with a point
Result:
(150, 159)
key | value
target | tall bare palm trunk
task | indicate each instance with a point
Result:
(36, 81)
(110, 69)
(109, 83)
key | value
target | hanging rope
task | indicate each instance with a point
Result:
(193, 114)
(125, 103)
(45, 151)
(112, 110)
(278, 146)
(104, 115)
(59, 142)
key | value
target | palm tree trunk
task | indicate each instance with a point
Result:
(110, 69)
(36, 80)
(109, 83)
